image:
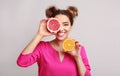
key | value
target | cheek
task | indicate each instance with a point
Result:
(68, 28)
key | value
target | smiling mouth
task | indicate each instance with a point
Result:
(61, 33)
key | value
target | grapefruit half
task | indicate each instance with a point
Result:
(53, 25)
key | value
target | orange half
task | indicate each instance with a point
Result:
(68, 44)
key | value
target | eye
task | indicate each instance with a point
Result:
(65, 24)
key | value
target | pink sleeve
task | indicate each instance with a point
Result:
(28, 59)
(85, 61)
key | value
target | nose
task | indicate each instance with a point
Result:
(61, 28)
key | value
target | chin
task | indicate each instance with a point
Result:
(61, 38)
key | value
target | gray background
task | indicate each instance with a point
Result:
(97, 27)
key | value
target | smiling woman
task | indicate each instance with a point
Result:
(50, 54)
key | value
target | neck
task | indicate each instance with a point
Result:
(58, 42)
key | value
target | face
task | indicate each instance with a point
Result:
(65, 27)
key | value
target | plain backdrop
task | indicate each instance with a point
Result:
(97, 27)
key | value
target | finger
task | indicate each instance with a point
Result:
(77, 43)
(54, 33)
(44, 20)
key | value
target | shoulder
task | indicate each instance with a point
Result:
(43, 45)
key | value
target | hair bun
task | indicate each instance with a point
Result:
(73, 10)
(50, 11)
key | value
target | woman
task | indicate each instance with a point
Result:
(52, 60)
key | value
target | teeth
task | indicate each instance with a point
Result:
(61, 34)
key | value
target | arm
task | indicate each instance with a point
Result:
(42, 32)
(31, 46)
(81, 68)
(81, 59)
(31, 52)
(83, 64)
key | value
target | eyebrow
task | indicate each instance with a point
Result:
(65, 22)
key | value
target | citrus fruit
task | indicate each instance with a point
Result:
(53, 25)
(68, 44)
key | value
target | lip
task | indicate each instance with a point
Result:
(61, 33)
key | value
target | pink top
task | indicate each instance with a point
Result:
(49, 62)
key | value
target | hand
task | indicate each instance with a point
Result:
(43, 28)
(76, 52)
